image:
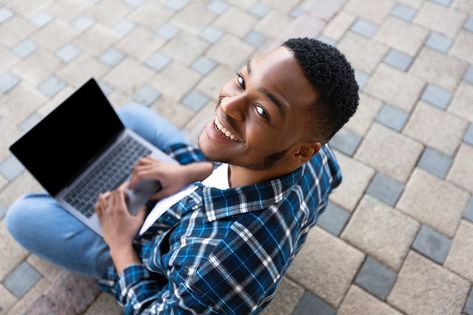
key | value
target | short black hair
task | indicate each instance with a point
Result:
(332, 76)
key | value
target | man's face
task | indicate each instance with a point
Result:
(262, 113)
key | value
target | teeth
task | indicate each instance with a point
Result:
(227, 133)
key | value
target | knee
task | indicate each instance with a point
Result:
(17, 217)
(132, 112)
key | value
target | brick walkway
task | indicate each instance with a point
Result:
(397, 236)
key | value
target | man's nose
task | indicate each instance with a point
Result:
(234, 106)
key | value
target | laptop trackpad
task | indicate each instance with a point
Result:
(137, 197)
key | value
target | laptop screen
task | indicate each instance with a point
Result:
(61, 144)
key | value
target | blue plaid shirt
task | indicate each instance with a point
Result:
(224, 251)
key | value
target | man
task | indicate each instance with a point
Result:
(224, 246)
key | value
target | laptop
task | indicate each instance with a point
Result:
(82, 149)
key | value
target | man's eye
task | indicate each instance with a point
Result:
(241, 81)
(260, 110)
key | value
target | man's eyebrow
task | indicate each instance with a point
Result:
(248, 67)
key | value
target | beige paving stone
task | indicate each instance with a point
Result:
(368, 108)
(464, 6)
(436, 128)
(461, 172)
(140, 43)
(129, 76)
(21, 185)
(424, 287)
(35, 292)
(96, 39)
(172, 111)
(461, 253)
(462, 102)
(356, 177)
(47, 270)
(67, 10)
(7, 299)
(195, 16)
(185, 47)
(9, 134)
(108, 12)
(118, 99)
(20, 103)
(227, 21)
(413, 3)
(78, 71)
(213, 82)
(8, 59)
(362, 53)
(52, 103)
(318, 266)
(284, 6)
(28, 7)
(230, 51)
(245, 4)
(285, 301)
(151, 14)
(375, 11)
(104, 305)
(389, 152)
(426, 198)
(339, 24)
(3, 182)
(9, 246)
(395, 87)
(305, 26)
(14, 30)
(440, 19)
(393, 33)
(54, 35)
(438, 68)
(381, 231)
(195, 126)
(464, 46)
(37, 67)
(273, 24)
(358, 301)
(165, 80)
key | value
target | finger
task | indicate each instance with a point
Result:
(139, 174)
(140, 214)
(160, 194)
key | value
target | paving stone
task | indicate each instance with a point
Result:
(68, 53)
(211, 34)
(124, 27)
(81, 69)
(8, 81)
(435, 162)
(176, 5)
(398, 59)
(15, 29)
(392, 117)
(469, 24)
(5, 14)
(96, 39)
(11, 168)
(423, 287)
(368, 108)
(51, 86)
(83, 23)
(218, 6)
(41, 19)
(395, 87)
(203, 65)
(381, 231)
(37, 67)
(25, 48)
(104, 305)
(226, 22)
(356, 177)
(439, 42)
(432, 244)
(445, 3)
(259, 9)
(461, 253)
(165, 81)
(376, 278)
(389, 152)
(288, 294)
(21, 279)
(194, 17)
(469, 75)
(365, 28)
(194, 100)
(437, 96)
(67, 10)
(333, 219)
(435, 128)
(150, 14)
(440, 19)
(305, 26)
(362, 79)
(128, 76)
(157, 61)
(134, 3)
(385, 189)
(461, 172)
(255, 39)
(318, 266)
(168, 30)
(468, 138)
(140, 43)
(338, 25)
(327, 40)
(310, 302)
(426, 197)
(403, 11)
(469, 304)
(461, 104)
(230, 51)
(6, 299)
(3, 210)
(111, 57)
(56, 34)
(276, 23)
(47, 270)
(8, 245)
(212, 83)
(375, 11)
(146, 95)
(358, 301)
(297, 11)
(185, 47)
(346, 141)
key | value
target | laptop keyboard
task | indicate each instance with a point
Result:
(112, 171)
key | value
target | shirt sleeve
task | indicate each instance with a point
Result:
(185, 153)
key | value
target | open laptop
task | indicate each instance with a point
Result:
(82, 149)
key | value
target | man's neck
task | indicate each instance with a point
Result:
(240, 176)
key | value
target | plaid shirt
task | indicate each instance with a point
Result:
(224, 251)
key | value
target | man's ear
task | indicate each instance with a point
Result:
(308, 150)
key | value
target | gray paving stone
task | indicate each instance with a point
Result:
(468, 214)
(218, 6)
(468, 138)
(106, 89)
(41, 19)
(203, 65)
(469, 304)
(211, 34)
(255, 39)
(259, 9)
(439, 42)
(346, 141)
(147, 95)
(432, 244)
(333, 219)
(21, 279)
(8, 81)
(437, 96)
(393, 117)
(403, 12)
(376, 278)
(111, 57)
(25, 48)
(157, 61)
(361, 78)
(327, 40)
(68, 53)
(124, 27)
(469, 24)
(310, 304)
(385, 189)
(297, 11)
(134, 3)
(364, 27)
(167, 30)
(82, 23)
(11, 168)
(469, 75)
(30, 122)
(3, 211)
(435, 162)
(5, 14)
(51, 86)
(398, 59)
(445, 3)
(194, 100)
(176, 5)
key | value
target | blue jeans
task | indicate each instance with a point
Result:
(44, 228)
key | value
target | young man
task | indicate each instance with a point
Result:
(223, 247)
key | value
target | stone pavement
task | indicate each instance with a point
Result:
(397, 235)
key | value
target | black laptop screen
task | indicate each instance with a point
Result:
(60, 145)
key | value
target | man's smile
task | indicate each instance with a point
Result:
(218, 125)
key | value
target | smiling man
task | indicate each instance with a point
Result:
(225, 242)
